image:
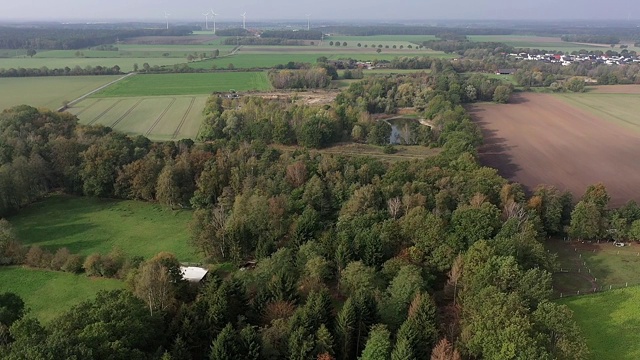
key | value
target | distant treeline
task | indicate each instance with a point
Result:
(66, 71)
(68, 39)
(300, 79)
(410, 30)
(460, 46)
(594, 39)
(289, 34)
(261, 41)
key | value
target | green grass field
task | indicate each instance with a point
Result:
(156, 117)
(621, 109)
(610, 322)
(47, 92)
(538, 42)
(88, 225)
(125, 64)
(601, 265)
(186, 84)
(49, 293)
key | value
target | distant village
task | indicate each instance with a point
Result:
(567, 59)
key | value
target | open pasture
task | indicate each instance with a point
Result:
(610, 322)
(87, 225)
(48, 92)
(50, 293)
(187, 84)
(540, 42)
(541, 139)
(156, 117)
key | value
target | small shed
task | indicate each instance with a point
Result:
(193, 273)
(506, 71)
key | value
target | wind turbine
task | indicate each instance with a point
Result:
(244, 20)
(206, 20)
(166, 17)
(213, 16)
(308, 22)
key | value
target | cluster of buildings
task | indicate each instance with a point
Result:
(570, 59)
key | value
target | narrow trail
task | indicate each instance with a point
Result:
(63, 108)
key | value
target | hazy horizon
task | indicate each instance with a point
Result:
(399, 10)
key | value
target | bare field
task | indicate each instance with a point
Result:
(540, 139)
(156, 117)
(614, 89)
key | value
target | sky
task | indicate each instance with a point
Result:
(395, 10)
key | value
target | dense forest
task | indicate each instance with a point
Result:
(289, 34)
(436, 258)
(593, 39)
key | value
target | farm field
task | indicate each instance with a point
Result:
(610, 322)
(187, 84)
(538, 42)
(50, 293)
(540, 139)
(125, 63)
(156, 117)
(620, 105)
(88, 225)
(48, 92)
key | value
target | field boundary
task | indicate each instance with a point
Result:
(63, 108)
(104, 112)
(88, 107)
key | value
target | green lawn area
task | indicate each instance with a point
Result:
(537, 42)
(87, 225)
(621, 109)
(187, 84)
(47, 92)
(610, 322)
(50, 293)
(506, 78)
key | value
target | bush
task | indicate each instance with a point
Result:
(34, 256)
(59, 259)
(389, 149)
(93, 265)
(73, 264)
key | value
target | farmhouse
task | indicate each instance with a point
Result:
(193, 273)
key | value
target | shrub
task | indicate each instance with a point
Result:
(59, 259)
(73, 264)
(389, 149)
(34, 256)
(93, 265)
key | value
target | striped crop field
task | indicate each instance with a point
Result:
(156, 117)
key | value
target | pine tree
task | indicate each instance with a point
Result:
(345, 330)
(378, 346)
(250, 341)
(225, 346)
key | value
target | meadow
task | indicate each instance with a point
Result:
(546, 43)
(187, 84)
(87, 225)
(156, 117)
(610, 322)
(48, 92)
(125, 63)
(49, 293)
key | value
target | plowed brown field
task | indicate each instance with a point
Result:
(539, 139)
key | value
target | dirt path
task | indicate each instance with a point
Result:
(93, 92)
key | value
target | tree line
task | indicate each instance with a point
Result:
(593, 39)
(60, 38)
(66, 71)
(289, 34)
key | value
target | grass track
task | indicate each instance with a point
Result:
(186, 84)
(49, 293)
(88, 225)
(610, 322)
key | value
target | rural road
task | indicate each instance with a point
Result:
(63, 108)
